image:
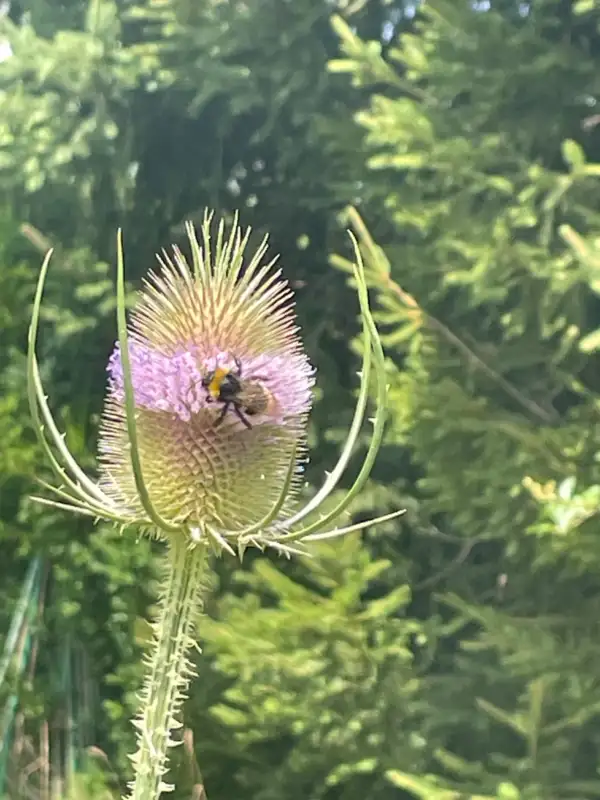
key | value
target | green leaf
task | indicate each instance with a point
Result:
(573, 153)
(584, 6)
(591, 342)
(390, 604)
(512, 721)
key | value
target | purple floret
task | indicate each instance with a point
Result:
(173, 383)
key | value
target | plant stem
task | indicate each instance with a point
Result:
(169, 670)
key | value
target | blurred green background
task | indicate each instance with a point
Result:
(454, 653)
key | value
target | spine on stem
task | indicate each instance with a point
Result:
(169, 669)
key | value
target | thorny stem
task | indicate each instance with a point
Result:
(169, 670)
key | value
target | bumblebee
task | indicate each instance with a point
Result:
(247, 398)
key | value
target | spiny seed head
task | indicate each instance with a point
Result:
(222, 388)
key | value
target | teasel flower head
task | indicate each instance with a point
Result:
(203, 434)
(221, 390)
(203, 440)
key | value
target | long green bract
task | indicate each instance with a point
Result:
(380, 413)
(130, 412)
(82, 485)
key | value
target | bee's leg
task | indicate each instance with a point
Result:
(238, 365)
(241, 416)
(221, 416)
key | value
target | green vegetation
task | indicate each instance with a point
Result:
(453, 653)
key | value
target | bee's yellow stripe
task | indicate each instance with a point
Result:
(214, 387)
